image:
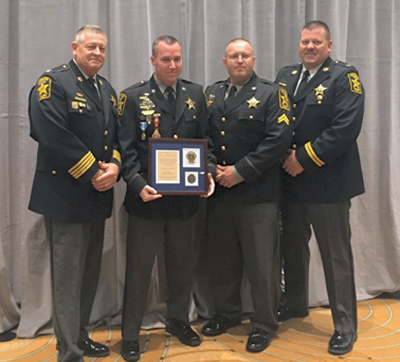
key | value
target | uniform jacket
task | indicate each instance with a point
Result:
(251, 131)
(328, 117)
(189, 122)
(74, 130)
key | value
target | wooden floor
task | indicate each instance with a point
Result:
(298, 340)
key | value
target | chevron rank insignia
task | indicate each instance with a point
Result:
(283, 118)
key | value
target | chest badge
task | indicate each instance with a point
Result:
(253, 102)
(190, 103)
(319, 93)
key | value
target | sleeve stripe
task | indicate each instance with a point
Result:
(82, 165)
(313, 155)
(116, 155)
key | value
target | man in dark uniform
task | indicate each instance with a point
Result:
(78, 163)
(250, 120)
(153, 218)
(323, 173)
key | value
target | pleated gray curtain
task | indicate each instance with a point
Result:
(36, 36)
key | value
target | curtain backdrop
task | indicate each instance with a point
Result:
(37, 36)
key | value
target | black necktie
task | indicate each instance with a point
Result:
(93, 84)
(171, 99)
(232, 92)
(303, 82)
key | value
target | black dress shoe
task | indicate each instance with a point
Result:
(218, 325)
(284, 314)
(130, 351)
(93, 349)
(184, 332)
(258, 340)
(341, 343)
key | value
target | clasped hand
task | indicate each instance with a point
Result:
(106, 177)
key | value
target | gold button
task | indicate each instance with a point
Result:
(223, 119)
(294, 105)
(106, 133)
(251, 117)
(224, 163)
(176, 136)
(222, 133)
(105, 148)
(294, 133)
(54, 172)
(294, 118)
(194, 117)
(223, 148)
(294, 146)
(80, 111)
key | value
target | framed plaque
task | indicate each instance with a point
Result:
(178, 166)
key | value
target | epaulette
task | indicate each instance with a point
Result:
(186, 81)
(224, 81)
(60, 68)
(266, 81)
(138, 84)
(342, 64)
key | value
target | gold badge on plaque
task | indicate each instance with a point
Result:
(191, 178)
(191, 157)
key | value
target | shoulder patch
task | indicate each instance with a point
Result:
(44, 88)
(284, 99)
(122, 103)
(355, 85)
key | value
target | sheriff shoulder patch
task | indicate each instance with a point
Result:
(284, 99)
(113, 100)
(44, 88)
(122, 103)
(355, 85)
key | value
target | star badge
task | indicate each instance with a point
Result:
(320, 90)
(253, 102)
(190, 103)
(319, 93)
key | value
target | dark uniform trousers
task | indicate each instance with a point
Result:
(168, 220)
(330, 223)
(329, 113)
(251, 131)
(240, 235)
(79, 274)
(145, 237)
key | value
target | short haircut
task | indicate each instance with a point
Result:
(167, 39)
(311, 25)
(90, 27)
(237, 40)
